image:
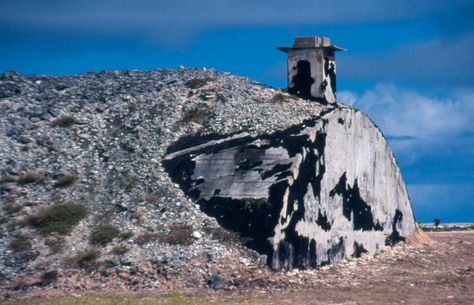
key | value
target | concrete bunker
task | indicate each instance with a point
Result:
(312, 68)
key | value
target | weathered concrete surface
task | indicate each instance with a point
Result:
(305, 196)
(312, 68)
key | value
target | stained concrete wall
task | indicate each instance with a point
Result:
(322, 73)
(306, 196)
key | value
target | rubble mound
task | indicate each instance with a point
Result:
(179, 173)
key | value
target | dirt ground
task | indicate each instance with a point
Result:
(436, 272)
(441, 272)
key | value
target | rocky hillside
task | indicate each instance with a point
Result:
(186, 173)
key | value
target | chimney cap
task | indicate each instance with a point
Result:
(311, 42)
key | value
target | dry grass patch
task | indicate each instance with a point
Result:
(59, 218)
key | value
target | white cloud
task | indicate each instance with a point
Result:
(418, 124)
(406, 113)
(347, 97)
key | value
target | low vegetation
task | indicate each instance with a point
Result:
(83, 259)
(31, 177)
(59, 218)
(447, 228)
(198, 82)
(223, 235)
(137, 298)
(131, 182)
(178, 234)
(125, 235)
(282, 98)
(55, 244)
(196, 115)
(7, 179)
(20, 244)
(120, 250)
(65, 180)
(12, 208)
(64, 121)
(104, 234)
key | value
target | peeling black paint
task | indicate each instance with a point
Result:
(323, 222)
(353, 204)
(256, 219)
(336, 251)
(395, 236)
(295, 243)
(358, 250)
(248, 158)
(283, 169)
(330, 69)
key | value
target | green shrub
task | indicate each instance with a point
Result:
(12, 225)
(282, 97)
(131, 182)
(178, 234)
(31, 178)
(55, 244)
(7, 179)
(223, 235)
(83, 259)
(12, 208)
(20, 244)
(65, 180)
(120, 250)
(3, 220)
(147, 237)
(64, 121)
(125, 235)
(198, 82)
(60, 218)
(104, 234)
(196, 115)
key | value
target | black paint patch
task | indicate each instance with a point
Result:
(302, 81)
(253, 219)
(353, 204)
(358, 250)
(257, 219)
(330, 69)
(395, 236)
(323, 222)
(248, 158)
(279, 168)
(294, 242)
(336, 251)
(340, 121)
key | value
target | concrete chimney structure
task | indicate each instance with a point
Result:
(312, 68)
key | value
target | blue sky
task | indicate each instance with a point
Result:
(409, 64)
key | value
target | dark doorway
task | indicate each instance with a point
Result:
(302, 81)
